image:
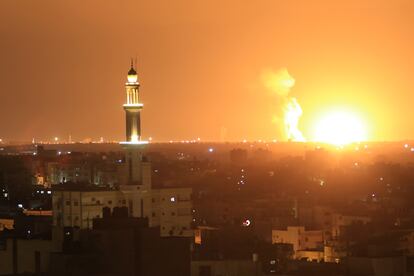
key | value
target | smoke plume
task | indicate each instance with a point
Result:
(280, 83)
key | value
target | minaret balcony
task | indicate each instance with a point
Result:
(132, 106)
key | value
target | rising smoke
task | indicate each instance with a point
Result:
(281, 82)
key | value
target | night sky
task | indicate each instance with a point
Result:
(63, 66)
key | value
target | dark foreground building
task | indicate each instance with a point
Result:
(121, 245)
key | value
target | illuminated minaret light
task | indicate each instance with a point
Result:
(133, 109)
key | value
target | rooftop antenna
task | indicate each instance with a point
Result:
(132, 63)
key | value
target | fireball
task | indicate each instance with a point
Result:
(340, 128)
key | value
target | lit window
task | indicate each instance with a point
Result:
(172, 199)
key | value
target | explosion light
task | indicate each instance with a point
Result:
(340, 128)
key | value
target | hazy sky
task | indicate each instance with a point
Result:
(63, 66)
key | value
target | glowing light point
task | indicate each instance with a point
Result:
(210, 150)
(247, 223)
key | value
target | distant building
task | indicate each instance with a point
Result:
(340, 221)
(306, 244)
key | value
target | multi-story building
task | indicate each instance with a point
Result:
(306, 244)
(171, 209)
(340, 221)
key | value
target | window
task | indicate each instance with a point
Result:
(75, 203)
(67, 203)
(172, 213)
(110, 202)
(153, 214)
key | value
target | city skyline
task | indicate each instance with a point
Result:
(201, 66)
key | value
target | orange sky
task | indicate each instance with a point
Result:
(63, 65)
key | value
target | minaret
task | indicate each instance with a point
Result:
(135, 165)
(133, 108)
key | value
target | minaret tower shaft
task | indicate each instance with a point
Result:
(134, 174)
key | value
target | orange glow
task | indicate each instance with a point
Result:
(340, 128)
(200, 64)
